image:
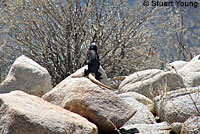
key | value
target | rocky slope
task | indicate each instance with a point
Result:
(149, 101)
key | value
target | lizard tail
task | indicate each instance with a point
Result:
(94, 80)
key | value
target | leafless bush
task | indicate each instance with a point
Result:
(57, 34)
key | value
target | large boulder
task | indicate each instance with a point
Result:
(158, 128)
(140, 98)
(151, 82)
(28, 76)
(192, 66)
(143, 114)
(176, 65)
(192, 79)
(191, 73)
(21, 113)
(191, 126)
(197, 57)
(100, 106)
(178, 105)
(176, 127)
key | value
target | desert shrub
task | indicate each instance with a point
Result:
(57, 34)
